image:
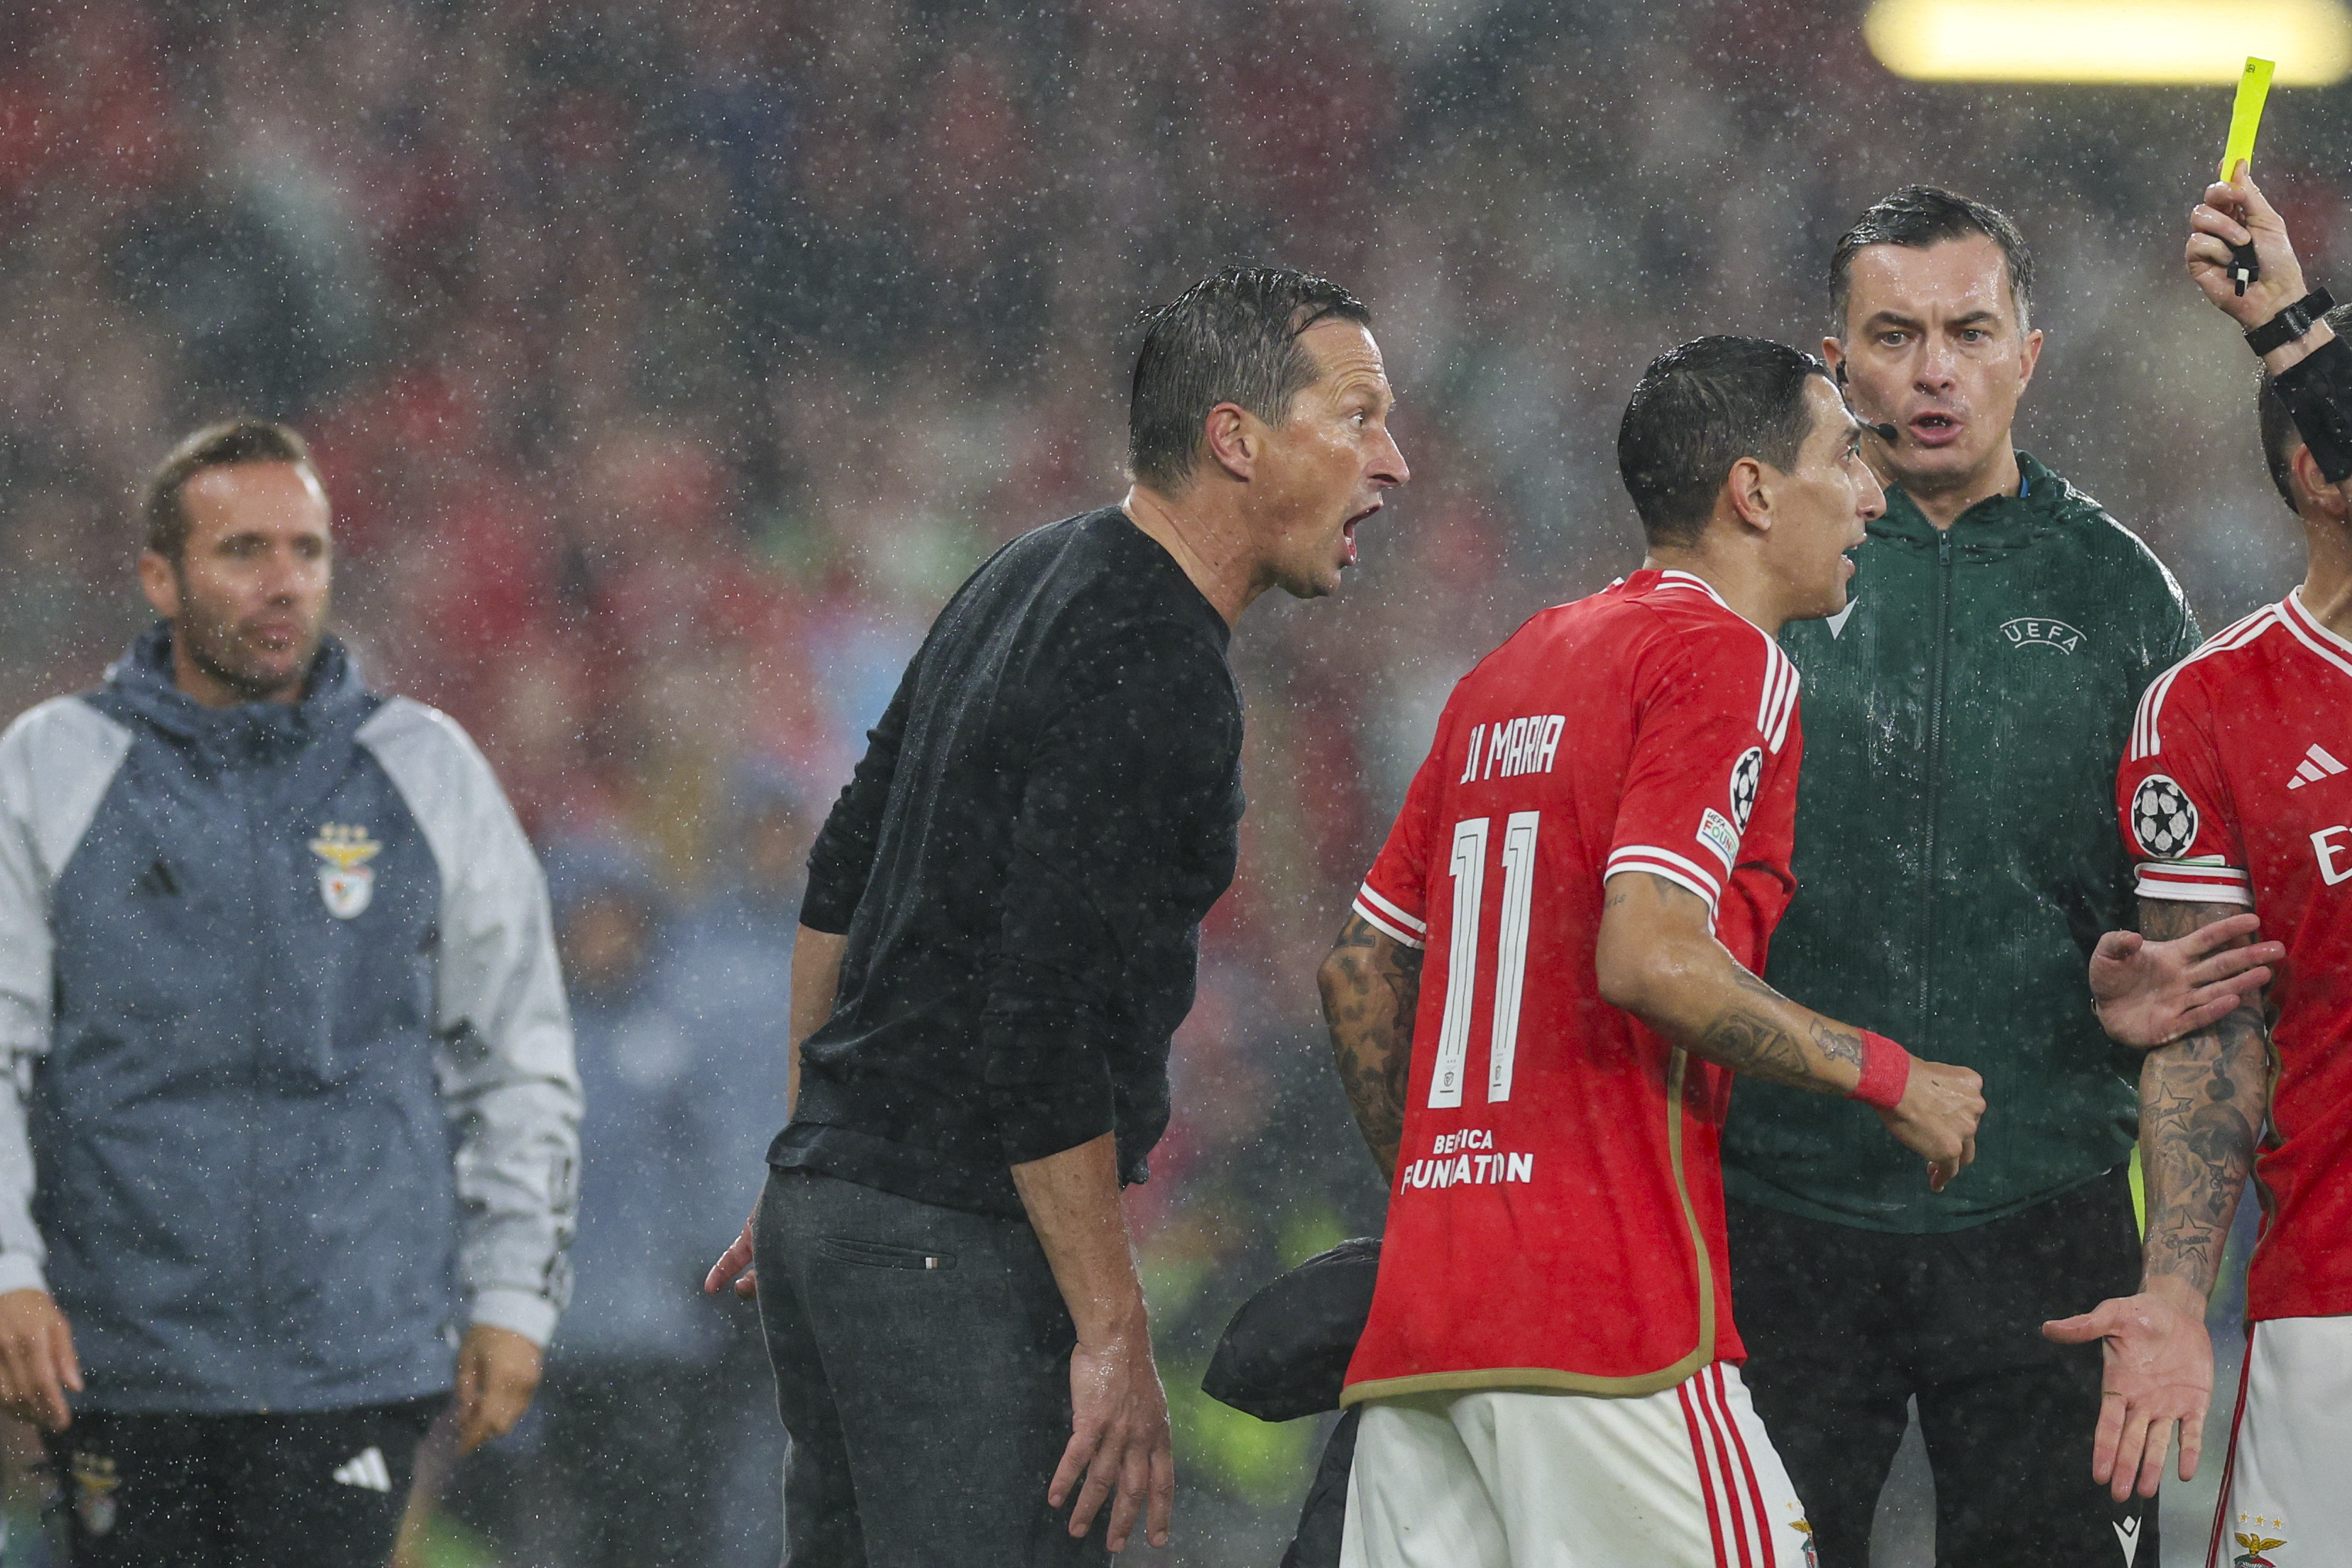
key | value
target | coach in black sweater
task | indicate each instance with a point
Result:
(1001, 933)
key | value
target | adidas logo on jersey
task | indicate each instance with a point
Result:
(2317, 765)
(367, 1470)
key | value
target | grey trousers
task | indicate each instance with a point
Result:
(922, 1361)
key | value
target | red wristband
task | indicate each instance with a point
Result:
(1885, 1072)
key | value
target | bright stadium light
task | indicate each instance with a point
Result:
(2109, 41)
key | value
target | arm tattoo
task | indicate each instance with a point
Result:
(1836, 1043)
(1746, 1026)
(2201, 1102)
(1752, 1043)
(1371, 987)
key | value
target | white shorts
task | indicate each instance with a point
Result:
(2286, 1489)
(1511, 1478)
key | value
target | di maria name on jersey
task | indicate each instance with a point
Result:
(2235, 791)
(1557, 1215)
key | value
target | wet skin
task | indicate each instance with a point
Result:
(1935, 345)
(248, 596)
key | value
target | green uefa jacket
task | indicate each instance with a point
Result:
(1956, 850)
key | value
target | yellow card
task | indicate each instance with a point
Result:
(2246, 117)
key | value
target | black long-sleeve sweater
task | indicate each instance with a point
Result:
(1021, 864)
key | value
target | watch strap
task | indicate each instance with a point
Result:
(2290, 323)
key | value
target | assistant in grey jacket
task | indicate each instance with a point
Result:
(294, 1094)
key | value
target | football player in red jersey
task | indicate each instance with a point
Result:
(2235, 797)
(1592, 859)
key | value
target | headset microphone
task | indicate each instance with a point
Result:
(1887, 431)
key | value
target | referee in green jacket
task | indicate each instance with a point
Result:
(1957, 859)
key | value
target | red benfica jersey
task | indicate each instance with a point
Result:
(1557, 1220)
(2235, 791)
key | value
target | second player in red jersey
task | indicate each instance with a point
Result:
(2236, 796)
(1545, 988)
(2231, 795)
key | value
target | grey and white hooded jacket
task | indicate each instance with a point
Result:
(294, 1092)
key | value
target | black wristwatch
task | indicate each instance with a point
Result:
(2290, 323)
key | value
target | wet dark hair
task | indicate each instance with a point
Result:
(1920, 217)
(1231, 337)
(164, 517)
(2280, 437)
(1696, 410)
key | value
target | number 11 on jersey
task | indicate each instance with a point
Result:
(1465, 960)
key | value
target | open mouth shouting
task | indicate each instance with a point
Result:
(1935, 427)
(1348, 532)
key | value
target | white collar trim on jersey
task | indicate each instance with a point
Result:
(1676, 575)
(2308, 630)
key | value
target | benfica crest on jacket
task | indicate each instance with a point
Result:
(345, 883)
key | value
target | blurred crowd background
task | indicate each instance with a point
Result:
(669, 363)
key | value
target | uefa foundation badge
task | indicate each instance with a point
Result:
(345, 883)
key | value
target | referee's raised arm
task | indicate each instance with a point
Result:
(1000, 935)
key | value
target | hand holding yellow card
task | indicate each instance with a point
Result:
(2245, 118)
(2246, 115)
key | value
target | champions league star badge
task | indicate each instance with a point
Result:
(2162, 818)
(345, 883)
(1746, 774)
